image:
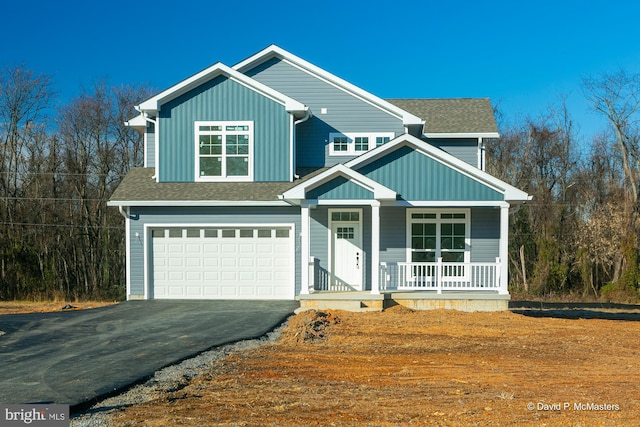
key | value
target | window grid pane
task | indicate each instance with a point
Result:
(340, 143)
(224, 159)
(362, 143)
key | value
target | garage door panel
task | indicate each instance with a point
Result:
(229, 248)
(175, 262)
(211, 248)
(229, 276)
(246, 276)
(210, 262)
(224, 263)
(211, 276)
(265, 276)
(246, 262)
(194, 276)
(264, 262)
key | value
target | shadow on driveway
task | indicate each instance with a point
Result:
(79, 357)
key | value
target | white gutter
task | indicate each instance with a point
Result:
(156, 129)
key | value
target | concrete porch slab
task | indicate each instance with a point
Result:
(416, 300)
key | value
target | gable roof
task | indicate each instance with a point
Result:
(274, 51)
(380, 192)
(510, 192)
(453, 116)
(154, 103)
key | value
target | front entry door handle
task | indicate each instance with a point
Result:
(358, 260)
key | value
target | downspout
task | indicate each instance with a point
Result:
(156, 130)
(307, 116)
(122, 212)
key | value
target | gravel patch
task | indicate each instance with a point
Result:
(169, 379)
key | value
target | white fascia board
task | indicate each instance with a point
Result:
(137, 122)
(275, 51)
(192, 203)
(452, 203)
(462, 135)
(510, 192)
(380, 192)
(155, 103)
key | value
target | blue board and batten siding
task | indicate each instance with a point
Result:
(416, 176)
(339, 188)
(203, 216)
(226, 100)
(345, 112)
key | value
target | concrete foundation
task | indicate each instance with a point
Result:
(365, 301)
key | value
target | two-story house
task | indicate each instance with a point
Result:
(275, 179)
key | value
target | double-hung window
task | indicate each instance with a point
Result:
(356, 143)
(224, 151)
(436, 234)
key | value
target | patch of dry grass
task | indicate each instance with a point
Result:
(23, 307)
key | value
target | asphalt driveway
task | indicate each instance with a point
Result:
(75, 357)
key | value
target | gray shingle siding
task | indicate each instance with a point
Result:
(150, 160)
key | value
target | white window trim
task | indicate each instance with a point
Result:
(351, 145)
(438, 221)
(234, 178)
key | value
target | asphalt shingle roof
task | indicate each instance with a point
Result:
(452, 115)
(139, 185)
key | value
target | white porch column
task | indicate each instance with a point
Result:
(304, 248)
(375, 248)
(504, 249)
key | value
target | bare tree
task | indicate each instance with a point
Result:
(24, 98)
(617, 97)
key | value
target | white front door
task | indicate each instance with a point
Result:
(347, 260)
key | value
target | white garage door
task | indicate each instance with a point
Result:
(222, 263)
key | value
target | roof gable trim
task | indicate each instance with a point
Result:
(218, 69)
(274, 51)
(380, 192)
(510, 192)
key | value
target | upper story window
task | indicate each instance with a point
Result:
(224, 151)
(349, 144)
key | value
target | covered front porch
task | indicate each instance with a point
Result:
(386, 248)
(404, 222)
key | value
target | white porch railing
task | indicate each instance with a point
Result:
(440, 276)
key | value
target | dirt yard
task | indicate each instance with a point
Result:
(403, 367)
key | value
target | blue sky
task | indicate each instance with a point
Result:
(523, 55)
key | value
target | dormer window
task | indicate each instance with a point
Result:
(353, 144)
(224, 151)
